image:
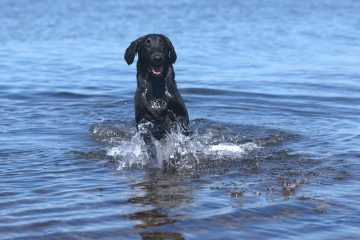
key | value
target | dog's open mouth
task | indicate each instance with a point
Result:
(156, 71)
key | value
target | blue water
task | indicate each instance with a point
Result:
(274, 84)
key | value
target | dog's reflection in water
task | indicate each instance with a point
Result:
(162, 192)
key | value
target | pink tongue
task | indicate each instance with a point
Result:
(156, 70)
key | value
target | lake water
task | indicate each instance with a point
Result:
(272, 90)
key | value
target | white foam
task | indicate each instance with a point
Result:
(232, 148)
(129, 153)
(226, 148)
(185, 149)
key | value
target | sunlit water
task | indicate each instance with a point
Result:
(272, 90)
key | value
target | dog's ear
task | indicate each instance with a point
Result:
(132, 50)
(172, 53)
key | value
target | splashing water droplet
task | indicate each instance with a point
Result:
(176, 149)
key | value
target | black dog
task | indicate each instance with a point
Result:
(157, 99)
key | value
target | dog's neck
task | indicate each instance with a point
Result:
(156, 85)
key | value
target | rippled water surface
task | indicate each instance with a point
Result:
(272, 90)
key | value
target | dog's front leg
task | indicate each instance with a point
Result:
(150, 146)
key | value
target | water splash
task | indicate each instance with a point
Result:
(206, 143)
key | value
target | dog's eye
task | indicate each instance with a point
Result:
(147, 43)
(161, 42)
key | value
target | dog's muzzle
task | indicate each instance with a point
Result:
(157, 62)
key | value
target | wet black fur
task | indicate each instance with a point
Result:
(157, 99)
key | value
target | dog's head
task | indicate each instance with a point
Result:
(155, 53)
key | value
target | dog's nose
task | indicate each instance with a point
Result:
(157, 58)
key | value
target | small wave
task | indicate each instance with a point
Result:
(69, 95)
(208, 91)
(231, 148)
